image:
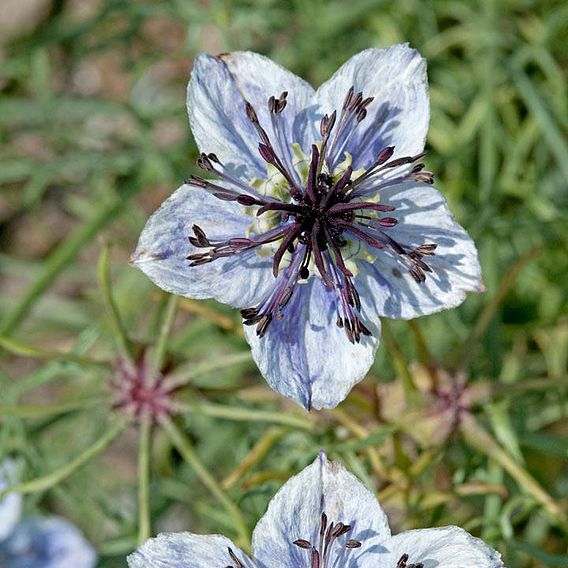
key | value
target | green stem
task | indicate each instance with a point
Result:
(183, 445)
(50, 410)
(244, 414)
(144, 455)
(165, 329)
(18, 348)
(50, 480)
(477, 437)
(185, 374)
(118, 327)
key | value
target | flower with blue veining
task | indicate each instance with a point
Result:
(37, 542)
(322, 518)
(321, 218)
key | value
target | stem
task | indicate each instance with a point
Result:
(167, 323)
(260, 449)
(221, 320)
(477, 437)
(51, 479)
(185, 374)
(120, 333)
(53, 409)
(18, 348)
(244, 414)
(144, 455)
(183, 445)
(361, 432)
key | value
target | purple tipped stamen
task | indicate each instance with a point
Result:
(315, 225)
(403, 562)
(322, 552)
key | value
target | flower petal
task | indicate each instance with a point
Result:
(295, 513)
(47, 543)
(161, 253)
(11, 505)
(399, 114)
(423, 217)
(216, 98)
(258, 78)
(305, 356)
(445, 547)
(174, 550)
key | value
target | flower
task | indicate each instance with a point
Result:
(322, 217)
(38, 542)
(322, 518)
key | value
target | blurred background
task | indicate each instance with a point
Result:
(462, 420)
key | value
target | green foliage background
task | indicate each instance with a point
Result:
(94, 136)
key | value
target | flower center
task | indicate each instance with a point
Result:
(315, 217)
(323, 551)
(139, 393)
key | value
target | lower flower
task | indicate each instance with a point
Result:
(321, 518)
(37, 542)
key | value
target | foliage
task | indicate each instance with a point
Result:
(94, 136)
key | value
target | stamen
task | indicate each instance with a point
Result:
(223, 193)
(272, 307)
(353, 113)
(268, 153)
(205, 162)
(321, 555)
(364, 184)
(348, 302)
(403, 563)
(237, 563)
(326, 126)
(235, 245)
(275, 107)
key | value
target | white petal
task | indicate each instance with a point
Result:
(161, 253)
(445, 547)
(11, 505)
(177, 550)
(295, 513)
(216, 98)
(399, 114)
(423, 217)
(47, 543)
(305, 356)
(258, 78)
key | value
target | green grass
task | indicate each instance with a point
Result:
(94, 136)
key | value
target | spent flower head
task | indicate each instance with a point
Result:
(322, 216)
(322, 518)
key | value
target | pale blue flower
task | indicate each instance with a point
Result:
(322, 518)
(321, 219)
(38, 542)
(11, 505)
